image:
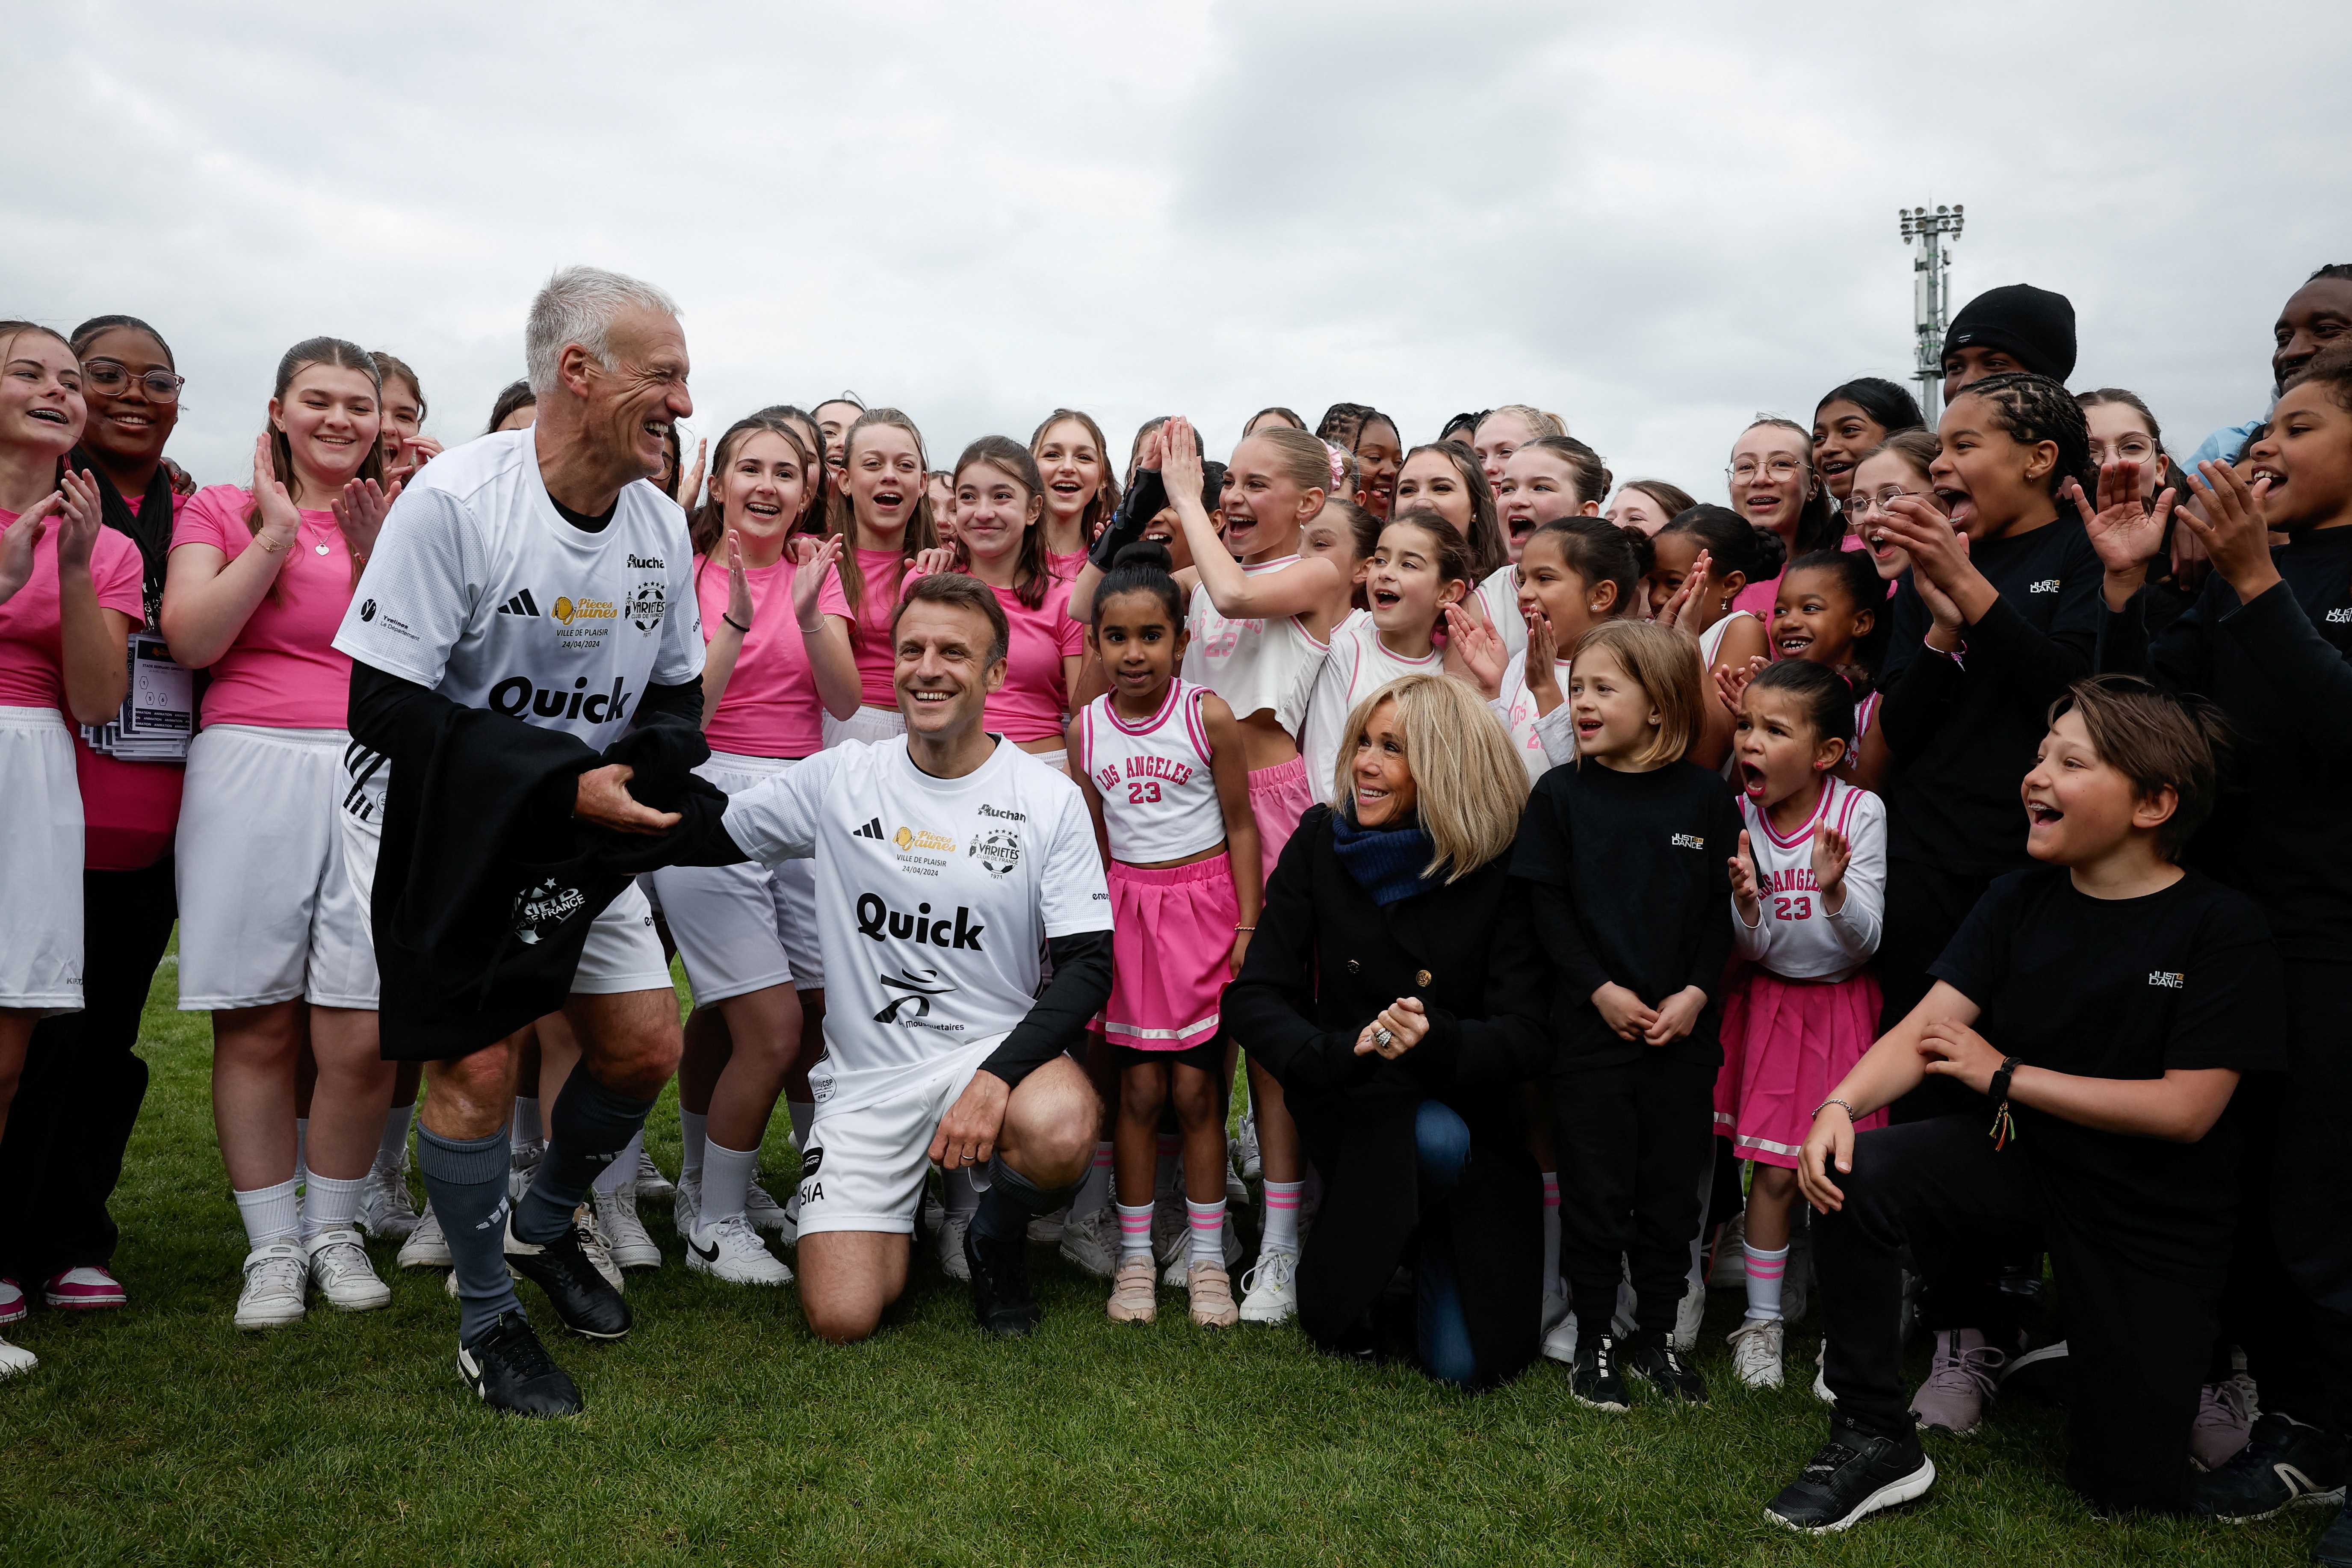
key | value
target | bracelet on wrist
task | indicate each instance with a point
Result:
(736, 624)
(1245, 928)
(1841, 1104)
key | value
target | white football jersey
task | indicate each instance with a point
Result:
(480, 589)
(934, 898)
(1795, 938)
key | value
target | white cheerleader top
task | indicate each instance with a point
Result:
(1794, 937)
(1254, 664)
(1159, 792)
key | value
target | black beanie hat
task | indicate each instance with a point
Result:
(2033, 325)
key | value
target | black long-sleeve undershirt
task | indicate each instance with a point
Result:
(1080, 986)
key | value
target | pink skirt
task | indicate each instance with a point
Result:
(1169, 962)
(1279, 796)
(1786, 1045)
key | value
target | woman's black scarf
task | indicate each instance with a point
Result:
(149, 528)
(1389, 863)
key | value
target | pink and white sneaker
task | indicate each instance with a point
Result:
(85, 1288)
(12, 1303)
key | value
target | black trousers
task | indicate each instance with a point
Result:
(2312, 1185)
(1924, 907)
(2138, 1341)
(83, 1084)
(1633, 1143)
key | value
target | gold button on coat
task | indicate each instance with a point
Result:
(1422, 978)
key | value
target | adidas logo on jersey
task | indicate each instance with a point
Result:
(522, 604)
(872, 830)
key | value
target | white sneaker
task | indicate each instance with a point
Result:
(1245, 1148)
(766, 1214)
(425, 1247)
(1559, 1344)
(1688, 1315)
(1270, 1290)
(953, 1222)
(1555, 1305)
(624, 1232)
(522, 1165)
(1729, 1270)
(386, 1210)
(1821, 1374)
(593, 1241)
(1047, 1229)
(340, 1270)
(649, 1181)
(731, 1250)
(1755, 1353)
(15, 1359)
(1091, 1241)
(274, 1278)
(686, 1204)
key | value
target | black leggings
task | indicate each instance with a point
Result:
(1633, 1143)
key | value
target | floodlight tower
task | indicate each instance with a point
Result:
(1931, 280)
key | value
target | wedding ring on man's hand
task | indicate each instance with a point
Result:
(1381, 1036)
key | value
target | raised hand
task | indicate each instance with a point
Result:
(20, 540)
(808, 582)
(1148, 461)
(359, 513)
(2229, 520)
(2123, 531)
(929, 562)
(1833, 853)
(1683, 597)
(739, 591)
(1731, 682)
(1746, 889)
(1936, 549)
(1478, 647)
(690, 492)
(1543, 662)
(80, 517)
(281, 522)
(1179, 457)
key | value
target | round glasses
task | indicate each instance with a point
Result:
(109, 377)
(1858, 506)
(1779, 469)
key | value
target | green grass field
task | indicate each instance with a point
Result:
(721, 1433)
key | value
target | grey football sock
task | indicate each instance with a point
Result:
(590, 1127)
(467, 1180)
(1012, 1200)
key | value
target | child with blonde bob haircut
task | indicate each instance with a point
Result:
(1626, 858)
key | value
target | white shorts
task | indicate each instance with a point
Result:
(743, 928)
(868, 723)
(40, 863)
(865, 1163)
(269, 910)
(622, 953)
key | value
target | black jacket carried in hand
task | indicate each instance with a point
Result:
(1325, 960)
(485, 885)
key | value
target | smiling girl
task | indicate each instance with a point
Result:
(1648, 505)
(1577, 573)
(273, 934)
(883, 515)
(1704, 564)
(1380, 451)
(1502, 431)
(1080, 494)
(1775, 486)
(1852, 420)
(1001, 499)
(1418, 571)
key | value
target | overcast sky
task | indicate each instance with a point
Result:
(1655, 219)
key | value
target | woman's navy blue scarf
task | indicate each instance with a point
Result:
(1386, 862)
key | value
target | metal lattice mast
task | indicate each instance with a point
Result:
(1931, 270)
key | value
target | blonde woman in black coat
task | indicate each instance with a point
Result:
(1395, 989)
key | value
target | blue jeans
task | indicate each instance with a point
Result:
(1441, 1332)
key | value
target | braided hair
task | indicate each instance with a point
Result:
(2034, 408)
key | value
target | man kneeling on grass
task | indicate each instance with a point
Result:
(946, 859)
(2120, 998)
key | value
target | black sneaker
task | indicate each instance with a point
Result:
(2284, 1463)
(1853, 1475)
(2333, 1547)
(511, 1371)
(1593, 1380)
(1001, 1297)
(1661, 1366)
(583, 1299)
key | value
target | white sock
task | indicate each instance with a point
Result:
(622, 1171)
(1163, 1169)
(269, 1214)
(1134, 1231)
(302, 1148)
(1208, 1231)
(1094, 1193)
(391, 1150)
(803, 1115)
(329, 1203)
(691, 1136)
(525, 1129)
(1551, 1233)
(962, 1197)
(1765, 1272)
(726, 1177)
(1281, 1231)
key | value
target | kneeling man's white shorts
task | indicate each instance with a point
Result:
(865, 1163)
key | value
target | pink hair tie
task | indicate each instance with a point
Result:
(1339, 464)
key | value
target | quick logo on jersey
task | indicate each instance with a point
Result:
(872, 830)
(522, 604)
(2171, 980)
(2046, 585)
(1687, 841)
(517, 699)
(874, 917)
(917, 987)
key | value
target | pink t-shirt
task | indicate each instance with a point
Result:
(869, 629)
(32, 648)
(771, 706)
(1067, 567)
(282, 672)
(1034, 698)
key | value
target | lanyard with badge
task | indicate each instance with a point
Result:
(158, 713)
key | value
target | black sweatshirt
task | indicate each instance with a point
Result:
(1963, 735)
(1629, 881)
(2278, 668)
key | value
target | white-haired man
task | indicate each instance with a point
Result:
(536, 575)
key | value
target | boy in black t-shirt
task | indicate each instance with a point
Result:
(2104, 1004)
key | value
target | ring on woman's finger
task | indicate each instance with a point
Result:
(1381, 1036)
